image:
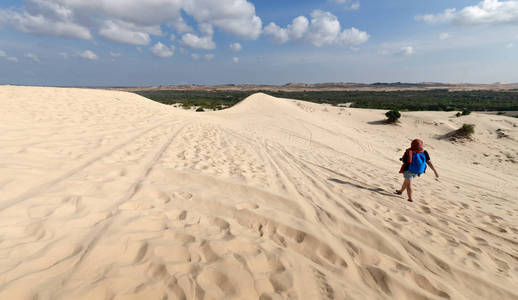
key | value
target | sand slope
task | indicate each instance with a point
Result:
(107, 195)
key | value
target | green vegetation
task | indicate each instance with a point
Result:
(199, 109)
(515, 116)
(393, 116)
(463, 113)
(465, 132)
(440, 99)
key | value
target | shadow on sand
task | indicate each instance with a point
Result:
(382, 122)
(376, 190)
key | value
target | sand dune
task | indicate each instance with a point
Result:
(107, 195)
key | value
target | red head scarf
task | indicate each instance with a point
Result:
(417, 146)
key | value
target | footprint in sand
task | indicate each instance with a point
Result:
(426, 209)
(135, 206)
(246, 205)
(182, 195)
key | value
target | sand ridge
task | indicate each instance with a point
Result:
(107, 195)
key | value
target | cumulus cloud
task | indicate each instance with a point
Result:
(293, 31)
(209, 57)
(161, 50)
(235, 60)
(114, 54)
(32, 56)
(46, 18)
(131, 21)
(323, 28)
(129, 33)
(7, 57)
(233, 16)
(485, 12)
(197, 42)
(236, 47)
(88, 54)
(444, 36)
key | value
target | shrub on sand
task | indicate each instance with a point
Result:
(200, 109)
(463, 133)
(393, 116)
(466, 112)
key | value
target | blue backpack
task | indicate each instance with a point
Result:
(418, 165)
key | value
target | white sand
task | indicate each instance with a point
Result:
(107, 195)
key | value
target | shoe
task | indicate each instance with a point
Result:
(410, 200)
(398, 192)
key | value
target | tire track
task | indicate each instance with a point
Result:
(104, 225)
(38, 189)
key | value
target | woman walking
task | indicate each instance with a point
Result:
(414, 161)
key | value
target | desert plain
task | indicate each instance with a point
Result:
(108, 195)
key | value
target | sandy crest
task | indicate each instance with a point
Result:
(107, 195)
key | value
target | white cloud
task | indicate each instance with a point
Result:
(485, 12)
(87, 54)
(131, 21)
(180, 25)
(349, 4)
(209, 57)
(352, 36)
(406, 51)
(236, 47)
(293, 31)
(197, 42)
(509, 46)
(139, 50)
(444, 36)
(161, 50)
(233, 16)
(129, 33)
(172, 38)
(7, 57)
(206, 29)
(32, 56)
(195, 56)
(278, 34)
(235, 60)
(395, 50)
(46, 18)
(114, 54)
(323, 28)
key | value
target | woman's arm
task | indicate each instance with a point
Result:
(433, 168)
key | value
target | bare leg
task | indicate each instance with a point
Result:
(409, 189)
(405, 185)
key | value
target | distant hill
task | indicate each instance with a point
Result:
(331, 86)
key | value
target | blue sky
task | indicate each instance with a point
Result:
(161, 42)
